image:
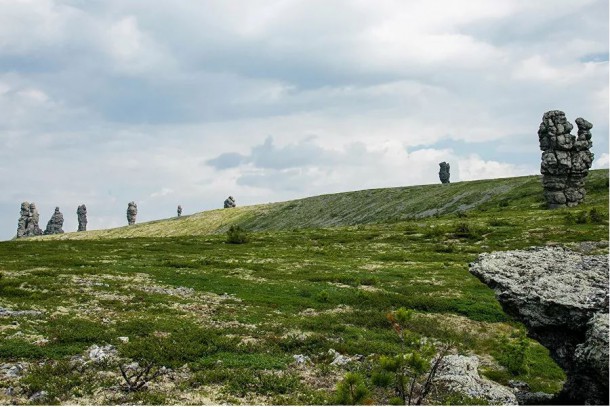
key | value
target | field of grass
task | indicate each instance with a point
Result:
(316, 274)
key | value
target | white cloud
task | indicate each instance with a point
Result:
(602, 161)
(474, 167)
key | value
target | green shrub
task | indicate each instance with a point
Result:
(352, 390)
(596, 216)
(322, 296)
(466, 231)
(237, 235)
(512, 353)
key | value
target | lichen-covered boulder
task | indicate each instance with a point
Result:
(458, 373)
(562, 298)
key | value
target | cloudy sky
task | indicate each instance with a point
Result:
(167, 103)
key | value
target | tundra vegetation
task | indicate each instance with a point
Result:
(188, 318)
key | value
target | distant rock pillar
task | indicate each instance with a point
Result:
(24, 216)
(230, 202)
(81, 212)
(132, 212)
(32, 227)
(55, 224)
(179, 210)
(566, 159)
(443, 174)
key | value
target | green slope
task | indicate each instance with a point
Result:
(350, 208)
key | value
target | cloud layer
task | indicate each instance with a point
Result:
(189, 102)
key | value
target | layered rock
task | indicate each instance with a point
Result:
(132, 212)
(566, 159)
(28, 221)
(179, 210)
(56, 223)
(230, 202)
(81, 212)
(443, 173)
(562, 298)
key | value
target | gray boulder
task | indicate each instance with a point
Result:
(55, 224)
(443, 173)
(81, 212)
(562, 298)
(460, 374)
(132, 212)
(566, 159)
(230, 202)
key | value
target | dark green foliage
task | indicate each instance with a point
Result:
(466, 231)
(352, 390)
(237, 235)
(512, 352)
(596, 216)
(60, 379)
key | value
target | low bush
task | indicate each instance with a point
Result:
(237, 235)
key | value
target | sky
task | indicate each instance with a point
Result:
(167, 103)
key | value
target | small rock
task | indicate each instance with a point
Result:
(39, 395)
(101, 353)
(123, 339)
(300, 359)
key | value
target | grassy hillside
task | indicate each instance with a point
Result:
(226, 319)
(344, 209)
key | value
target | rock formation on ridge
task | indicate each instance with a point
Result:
(566, 159)
(55, 224)
(179, 211)
(28, 221)
(81, 212)
(230, 202)
(562, 298)
(132, 212)
(443, 173)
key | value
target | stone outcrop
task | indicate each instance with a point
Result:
(81, 212)
(562, 298)
(179, 210)
(28, 221)
(460, 374)
(230, 202)
(55, 224)
(566, 159)
(132, 212)
(443, 173)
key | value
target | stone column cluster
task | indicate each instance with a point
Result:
(566, 159)
(81, 212)
(28, 221)
(132, 212)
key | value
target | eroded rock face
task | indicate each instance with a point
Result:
(230, 202)
(55, 224)
(460, 374)
(28, 221)
(179, 210)
(562, 298)
(566, 159)
(443, 173)
(132, 212)
(81, 212)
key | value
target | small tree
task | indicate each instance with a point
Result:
(417, 357)
(352, 390)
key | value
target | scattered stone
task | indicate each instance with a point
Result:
(443, 174)
(99, 354)
(9, 313)
(123, 339)
(338, 359)
(566, 159)
(562, 298)
(460, 374)
(179, 210)
(301, 359)
(10, 370)
(132, 212)
(81, 212)
(10, 391)
(28, 221)
(230, 202)
(55, 224)
(38, 396)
